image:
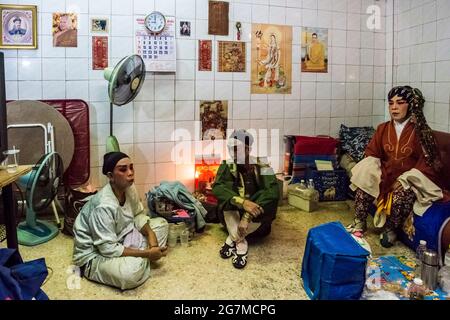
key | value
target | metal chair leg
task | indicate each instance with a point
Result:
(58, 223)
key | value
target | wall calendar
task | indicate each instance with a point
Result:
(157, 50)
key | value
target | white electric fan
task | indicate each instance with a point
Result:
(125, 81)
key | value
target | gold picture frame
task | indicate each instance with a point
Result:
(18, 26)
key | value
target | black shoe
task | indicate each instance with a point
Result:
(239, 260)
(227, 251)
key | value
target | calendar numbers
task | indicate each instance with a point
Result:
(157, 49)
(150, 48)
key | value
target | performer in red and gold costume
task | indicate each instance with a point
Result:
(400, 170)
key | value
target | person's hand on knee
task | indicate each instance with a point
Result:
(252, 208)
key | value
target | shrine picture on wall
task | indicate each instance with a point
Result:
(204, 55)
(99, 52)
(99, 25)
(218, 19)
(65, 30)
(271, 59)
(214, 119)
(231, 56)
(185, 28)
(314, 50)
(18, 27)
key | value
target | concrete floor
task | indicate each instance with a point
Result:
(197, 272)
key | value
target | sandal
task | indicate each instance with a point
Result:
(359, 226)
(387, 238)
(227, 251)
(239, 260)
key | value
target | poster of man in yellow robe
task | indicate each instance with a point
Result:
(314, 50)
(271, 59)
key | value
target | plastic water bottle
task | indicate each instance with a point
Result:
(302, 184)
(421, 248)
(447, 257)
(444, 279)
(417, 290)
(311, 184)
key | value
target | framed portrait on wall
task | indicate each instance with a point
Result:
(18, 27)
(271, 60)
(231, 56)
(99, 25)
(204, 55)
(214, 119)
(314, 50)
(65, 29)
(185, 28)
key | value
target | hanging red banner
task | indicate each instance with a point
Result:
(204, 55)
(99, 52)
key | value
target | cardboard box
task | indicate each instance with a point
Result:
(332, 185)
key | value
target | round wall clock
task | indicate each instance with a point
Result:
(155, 22)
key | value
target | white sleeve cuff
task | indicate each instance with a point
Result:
(426, 191)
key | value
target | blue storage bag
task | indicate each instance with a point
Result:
(429, 227)
(21, 280)
(334, 264)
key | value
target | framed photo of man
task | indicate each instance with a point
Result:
(18, 27)
(65, 29)
(314, 50)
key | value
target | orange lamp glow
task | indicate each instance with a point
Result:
(206, 167)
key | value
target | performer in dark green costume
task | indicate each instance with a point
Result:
(248, 194)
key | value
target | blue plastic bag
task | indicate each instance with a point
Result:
(334, 264)
(21, 280)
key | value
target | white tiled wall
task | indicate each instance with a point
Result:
(422, 54)
(352, 92)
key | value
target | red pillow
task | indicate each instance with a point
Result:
(306, 145)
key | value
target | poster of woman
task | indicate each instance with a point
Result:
(18, 27)
(314, 50)
(271, 59)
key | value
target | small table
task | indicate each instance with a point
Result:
(6, 180)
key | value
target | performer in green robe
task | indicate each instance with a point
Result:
(248, 194)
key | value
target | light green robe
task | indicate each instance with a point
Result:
(99, 233)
